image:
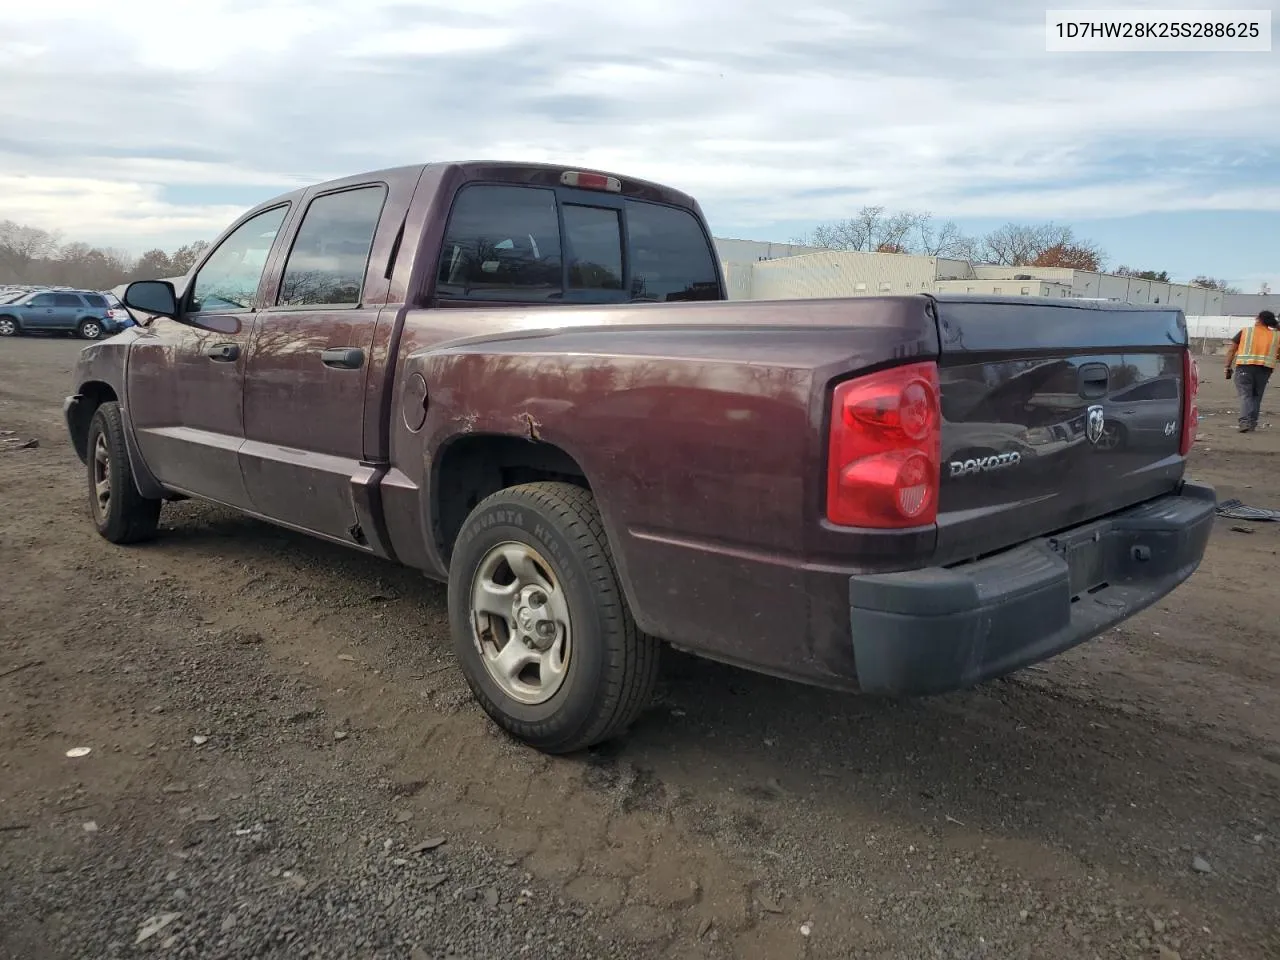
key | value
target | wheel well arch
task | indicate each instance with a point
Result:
(91, 396)
(475, 466)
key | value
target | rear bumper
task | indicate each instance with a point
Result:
(940, 629)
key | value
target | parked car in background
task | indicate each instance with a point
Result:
(1137, 416)
(86, 314)
(119, 313)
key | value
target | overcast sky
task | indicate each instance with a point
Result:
(144, 122)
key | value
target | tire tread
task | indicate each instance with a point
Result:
(138, 517)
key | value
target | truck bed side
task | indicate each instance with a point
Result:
(701, 428)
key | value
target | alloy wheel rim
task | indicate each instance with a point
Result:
(101, 476)
(520, 623)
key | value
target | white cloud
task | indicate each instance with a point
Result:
(432, 41)
(766, 112)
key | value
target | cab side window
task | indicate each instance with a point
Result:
(229, 279)
(671, 259)
(330, 254)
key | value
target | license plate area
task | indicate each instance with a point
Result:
(1087, 561)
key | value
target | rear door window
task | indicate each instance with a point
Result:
(67, 300)
(530, 244)
(502, 243)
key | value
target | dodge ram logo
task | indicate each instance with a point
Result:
(997, 461)
(1097, 423)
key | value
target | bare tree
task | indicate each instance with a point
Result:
(1018, 245)
(184, 258)
(1014, 244)
(30, 255)
(944, 240)
(870, 230)
(1210, 283)
(1156, 276)
(20, 245)
(153, 265)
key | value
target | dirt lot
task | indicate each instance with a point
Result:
(350, 801)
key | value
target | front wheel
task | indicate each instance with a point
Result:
(539, 621)
(89, 330)
(8, 327)
(120, 512)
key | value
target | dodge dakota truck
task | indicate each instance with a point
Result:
(526, 381)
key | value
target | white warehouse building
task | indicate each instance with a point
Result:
(763, 271)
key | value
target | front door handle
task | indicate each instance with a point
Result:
(223, 352)
(344, 358)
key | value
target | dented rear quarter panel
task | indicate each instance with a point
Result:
(701, 429)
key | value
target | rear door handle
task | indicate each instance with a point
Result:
(343, 358)
(223, 352)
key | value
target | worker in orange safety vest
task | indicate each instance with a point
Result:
(1251, 358)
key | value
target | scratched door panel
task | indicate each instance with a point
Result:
(309, 366)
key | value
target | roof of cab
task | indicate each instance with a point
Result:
(533, 174)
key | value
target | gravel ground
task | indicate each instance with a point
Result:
(284, 762)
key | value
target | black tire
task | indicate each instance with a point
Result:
(612, 667)
(89, 329)
(126, 516)
(9, 326)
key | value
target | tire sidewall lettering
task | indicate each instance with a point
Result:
(539, 532)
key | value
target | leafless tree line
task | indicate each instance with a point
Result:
(873, 229)
(30, 255)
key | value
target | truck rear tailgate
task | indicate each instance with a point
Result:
(1053, 414)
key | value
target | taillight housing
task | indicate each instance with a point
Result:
(1190, 408)
(885, 449)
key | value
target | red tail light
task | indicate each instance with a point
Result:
(1190, 409)
(884, 460)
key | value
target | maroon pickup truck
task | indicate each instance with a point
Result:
(526, 381)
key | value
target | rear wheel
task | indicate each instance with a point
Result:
(9, 327)
(540, 624)
(120, 512)
(89, 330)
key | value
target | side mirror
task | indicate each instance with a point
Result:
(152, 296)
